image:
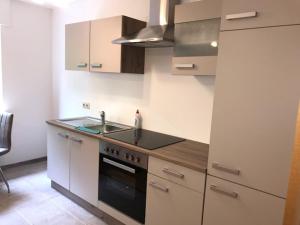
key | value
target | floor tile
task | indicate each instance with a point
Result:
(47, 213)
(12, 219)
(32, 201)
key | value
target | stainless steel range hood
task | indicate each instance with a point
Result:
(160, 29)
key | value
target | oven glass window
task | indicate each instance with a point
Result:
(123, 186)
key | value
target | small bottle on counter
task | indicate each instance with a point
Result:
(138, 120)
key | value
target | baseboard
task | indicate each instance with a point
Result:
(32, 161)
(87, 206)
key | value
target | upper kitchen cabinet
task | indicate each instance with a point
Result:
(89, 46)
(108, 57)
(197, 27)
(77, 50)
(243, 14)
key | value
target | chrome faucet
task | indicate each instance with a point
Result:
(102, 115)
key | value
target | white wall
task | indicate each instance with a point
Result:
(4, 12)
(175, 105)
(26, 48)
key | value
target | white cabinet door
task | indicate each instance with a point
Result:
(227, 203)
(58, 156)
(241, 14)
(84, 167)
(77, 46)
(172, 204)
(106, 56)
(255, 107)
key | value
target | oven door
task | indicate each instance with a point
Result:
(123, 186)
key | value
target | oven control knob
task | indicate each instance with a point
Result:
(137, 160)
(112, 151)
(127, 156)
(117, 152)
(132, 158)
(106, 149)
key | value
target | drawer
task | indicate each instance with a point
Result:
(199, 65)
(242, 14)
(181, 175)
(172, 204)
(231, 204)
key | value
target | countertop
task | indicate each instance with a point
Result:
(190, 154)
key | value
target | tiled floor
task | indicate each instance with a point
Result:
(33, 202)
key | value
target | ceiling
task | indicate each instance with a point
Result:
(51, 3)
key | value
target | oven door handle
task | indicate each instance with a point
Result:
(119, 165)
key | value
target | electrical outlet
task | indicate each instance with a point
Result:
(86, 105)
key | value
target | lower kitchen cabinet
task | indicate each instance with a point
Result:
(58, 156)
(227, 203)
(84, 167)
(172, 204)
(73, 162)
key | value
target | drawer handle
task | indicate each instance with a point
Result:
(218, 166)
(173, 173)
(82, 65)
(96, 65)
(185, 66)
(63, 135)
(241, 15)
(158, 186)
(223, 191)
(76, 140)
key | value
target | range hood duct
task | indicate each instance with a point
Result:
(160, 29)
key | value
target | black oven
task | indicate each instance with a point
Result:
(123, 180)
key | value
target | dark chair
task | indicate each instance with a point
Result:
(6, 121)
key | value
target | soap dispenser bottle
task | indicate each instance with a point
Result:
(138, 120)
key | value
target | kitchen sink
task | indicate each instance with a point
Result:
(81, 122)
(94, 125)
(108, 128)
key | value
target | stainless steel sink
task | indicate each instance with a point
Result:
(109, 127)
(94, 124)
(81, 122)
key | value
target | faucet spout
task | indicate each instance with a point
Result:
(102, 115)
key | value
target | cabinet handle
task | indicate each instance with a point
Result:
(63, 135)
(76, 140)
(223, 191)
(96, 65)
(218, 166)
(241, 15)
(82, 65)
(173, 173)
(119, 165)
(158, 186)
(185, 66)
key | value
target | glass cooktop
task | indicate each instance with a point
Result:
(144, 138)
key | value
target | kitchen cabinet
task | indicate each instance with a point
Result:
(243, 14)
(177, 174)
(73, 162)
(197, 26)
(170, 203)
(255, 107)
(174, 194)
(227, 203)
(77, 49)
(89, 46)
(58, 156)
(84, 167)
(108, 57)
